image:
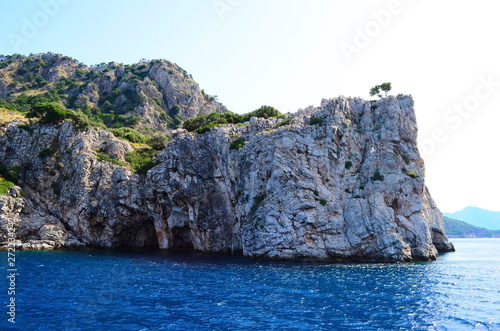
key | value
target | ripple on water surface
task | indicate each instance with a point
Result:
(181, 291)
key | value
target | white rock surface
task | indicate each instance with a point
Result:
(302, 191)
(349, 188)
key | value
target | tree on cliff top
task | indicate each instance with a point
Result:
(384, 87)
(264, 112)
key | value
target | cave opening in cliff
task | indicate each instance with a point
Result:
(181, 238)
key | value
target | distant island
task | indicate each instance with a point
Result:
(472, 222)
(459, 229)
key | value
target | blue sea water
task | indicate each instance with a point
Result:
(109, 290)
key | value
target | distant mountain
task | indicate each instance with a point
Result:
(459, 229)
(478, 217)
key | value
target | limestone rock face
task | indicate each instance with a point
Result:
(343, 181)
(350, 187)
(70, 198)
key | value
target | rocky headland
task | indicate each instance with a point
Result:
(343, 181)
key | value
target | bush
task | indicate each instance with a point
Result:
(158, 141)
(46, 152)
(175, 110)
(377, 176)
(206, 128)
(385, 87)
(348, 164)
(107, 158)
(130, 134)
(80, 120)
(53, 112)
(237, 143)
(412, 174)
(315, 121)
(10, 174)
(323, 202)
(8, 107)
(141, 160)
(264, 111)
(285, 122)
(24, 102)
(8, 178)
(117, 121)
(49, 112)
(202, 124)
(257, 200)
(5, 186)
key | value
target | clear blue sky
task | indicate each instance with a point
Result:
(292, 53)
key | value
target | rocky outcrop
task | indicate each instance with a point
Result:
(71, 197)
(349, 187)
(18, 219)
(344, 181)
(159, 93)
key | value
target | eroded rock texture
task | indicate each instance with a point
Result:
(344, 181)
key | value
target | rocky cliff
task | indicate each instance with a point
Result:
(343, 181)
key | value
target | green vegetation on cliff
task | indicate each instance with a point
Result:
(148, 97)
(53, 112)
(377, 89)
(105, 157)
(237, 143)
(5, 185)
(141, 160)
(8, 178)
(131, 135)
(202, 124)
(459, 229)
(264, 111)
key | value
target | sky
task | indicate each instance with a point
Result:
(292, 53)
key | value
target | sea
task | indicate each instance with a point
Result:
(132, 290)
